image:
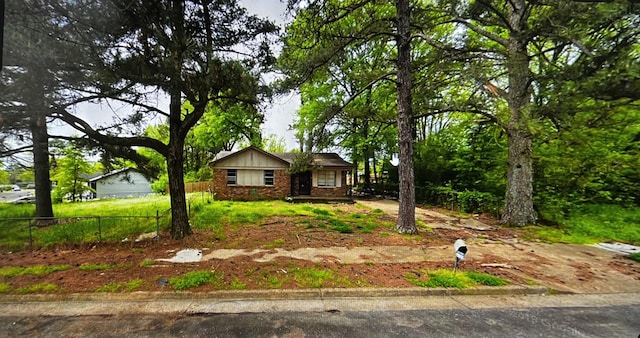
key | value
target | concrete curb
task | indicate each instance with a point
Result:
(284, 294)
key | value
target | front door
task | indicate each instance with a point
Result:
(304, 183)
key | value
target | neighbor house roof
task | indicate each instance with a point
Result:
(332, 160)
(111, 173)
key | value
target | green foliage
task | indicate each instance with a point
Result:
(194, 279)
(160, 185)
(275, 244)
(5, 287)
(340, 226)
(38, 288)
(311, 277)
(301, 162)
(237, 285)
(147, 262)
(126, 286)
(634, 257)
(448, 279)
(594, 223)
(485, 279)
(70, 173)
(37, 270)
(477, 202)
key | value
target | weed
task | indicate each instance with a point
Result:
(38, 270)
(274, 282)
(111, 287)
(40, 287)
(193, 279)
(147, 262)
(5, 287)
(448, 279)
(369, 263)
(340, 226)
(485, 279)
(634, 256)
(133, 284)
(275, 244)
(367, 228)
(311, 277)
(237, 285)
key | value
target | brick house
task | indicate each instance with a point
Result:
(254, 174)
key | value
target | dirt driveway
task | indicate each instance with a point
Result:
(564, 267)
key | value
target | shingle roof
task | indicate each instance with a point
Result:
(319, 159)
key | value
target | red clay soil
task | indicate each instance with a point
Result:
(284, 233)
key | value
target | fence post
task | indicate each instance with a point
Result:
(99, 230)
(30, 236)
(157, 225)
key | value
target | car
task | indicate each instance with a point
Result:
(16, 188)
(24, 200)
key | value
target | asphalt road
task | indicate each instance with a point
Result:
(611, 321)
(7, 196)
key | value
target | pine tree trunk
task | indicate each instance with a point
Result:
(180, 226)
(518, 209)
(42, 180)
(407, 203)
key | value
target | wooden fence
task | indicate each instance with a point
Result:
(190, 187)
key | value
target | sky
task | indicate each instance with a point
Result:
(278, 115)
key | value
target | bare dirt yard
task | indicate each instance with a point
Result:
(271, 254)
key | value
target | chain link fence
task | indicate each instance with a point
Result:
(36, 232)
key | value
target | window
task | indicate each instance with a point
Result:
(232, 176)
(326, 178)
(268, 177)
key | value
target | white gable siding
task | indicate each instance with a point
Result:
(125, 184)
(251, 177)
(251, 159)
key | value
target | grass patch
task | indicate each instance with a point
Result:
(129, 286)
(147, 262)
(194, 279)
(37, 270)
(590, 224)
(448, 279)
(485, 279)
(38, 288)
(275, 244)
(634, 256)
(340, 226)
(237, 285)
(5, 287)
(312, 277)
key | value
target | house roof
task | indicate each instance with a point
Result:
(111, 173)
(332, 160)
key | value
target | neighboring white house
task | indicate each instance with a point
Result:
(121, 183)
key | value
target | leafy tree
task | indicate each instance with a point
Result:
(70, 174)
(203, 52)
(49, 47)
(274, 143)
(339, 31)
(524, 55)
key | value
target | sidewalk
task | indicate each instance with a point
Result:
(305, 301)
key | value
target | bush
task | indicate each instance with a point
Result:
(478, 201)
(159, 186)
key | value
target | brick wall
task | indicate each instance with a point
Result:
(222, 191)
